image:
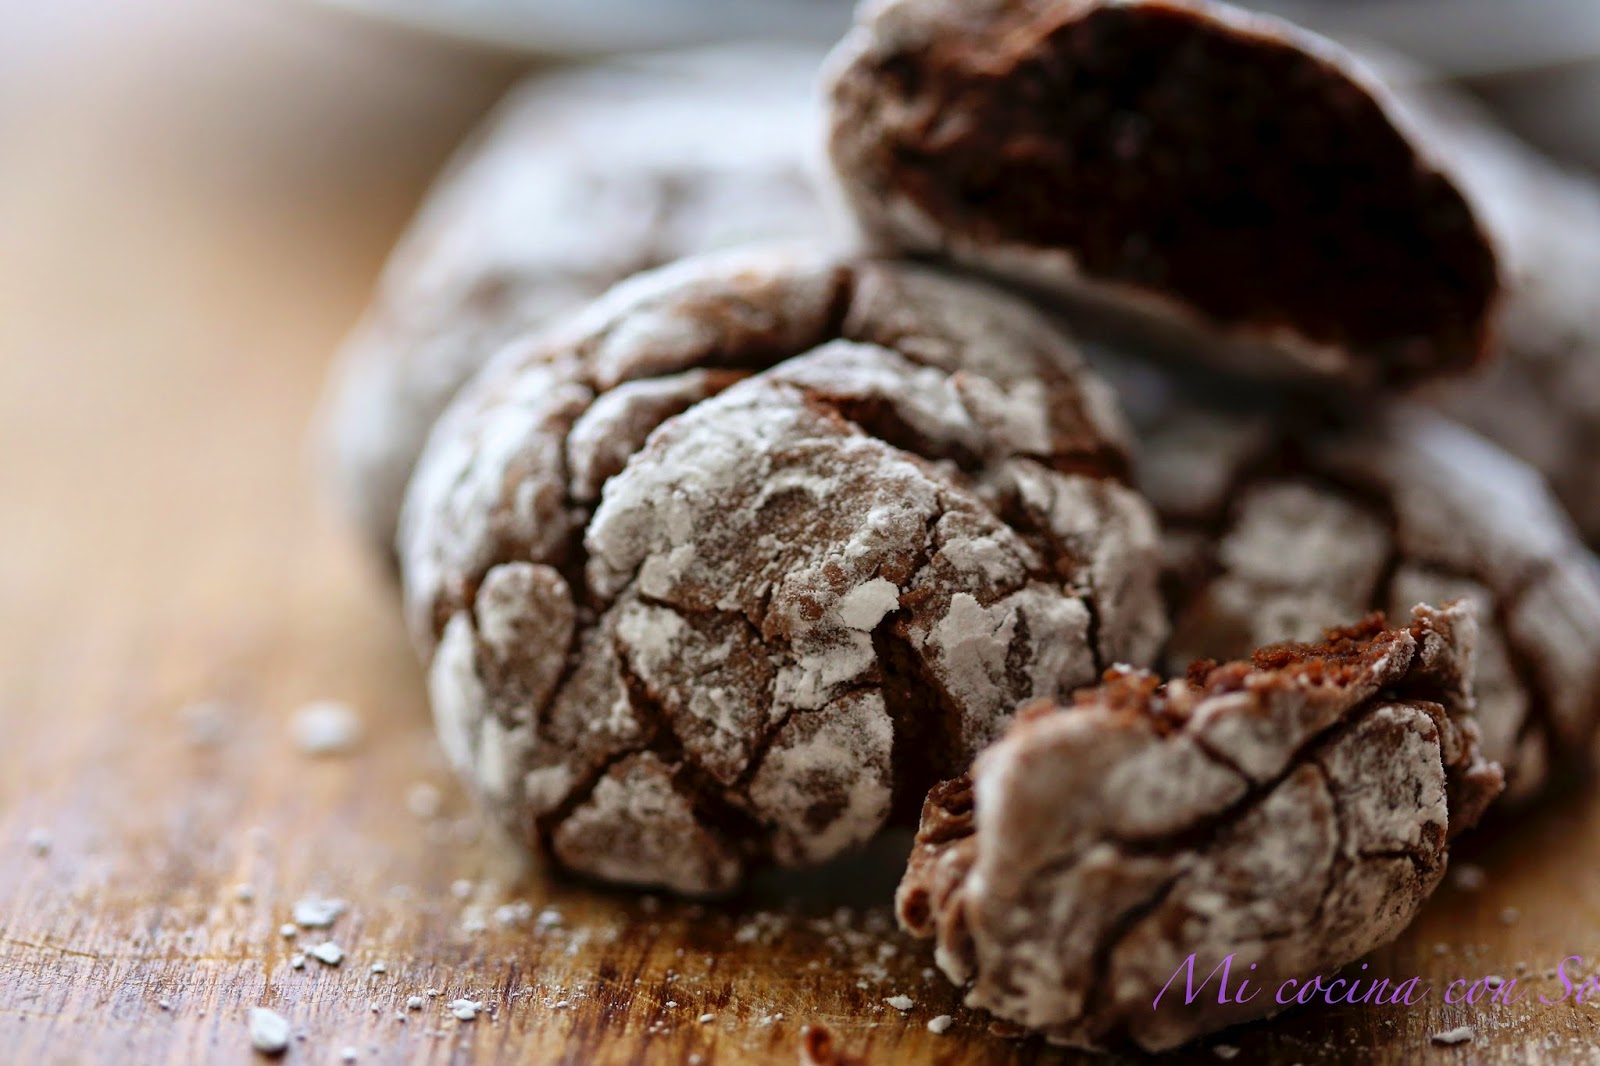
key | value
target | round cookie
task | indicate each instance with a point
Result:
(732, 566)
(1278, 526)
(1288, 815)
(1217, 182)
(578, 180)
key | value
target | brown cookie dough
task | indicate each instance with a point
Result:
(1277, 526)
(577, 181)
(1217, 179)
(1292, 812)
(731, 567)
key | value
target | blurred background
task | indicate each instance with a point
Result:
(196, 195)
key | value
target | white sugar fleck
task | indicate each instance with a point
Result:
(940, 1025)
(465, 1010)
(414, 1003)
(1467, 877)
(901, 1003)
(864, 606)
(244, 893)
(461, 888)
(1459, 1035)
(349, 1054)
(39, 842)
(269, 1031)
(297, 961)
(378, 967)
(327, 952)
(707, 1018)
(326, 727)
(314, 912)
(165, 1004)
(549, 918)
(288, 930)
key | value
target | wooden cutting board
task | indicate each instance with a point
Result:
(194, 198)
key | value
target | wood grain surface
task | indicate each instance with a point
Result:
(194, 198)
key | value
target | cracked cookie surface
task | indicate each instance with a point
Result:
(730, 567)
(1292, 812)
(1277, 526)
(1221, 181)
(578, 180)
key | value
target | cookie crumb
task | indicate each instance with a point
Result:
(326, 727)
(940, 1025)
(900, 1003)
(327, 952)
(314, 912)
(1449, 1037)
(269, 1031)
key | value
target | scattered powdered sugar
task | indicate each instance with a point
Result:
(1459, 1035)
(326, 727)
(901, 1002)
(465, 1010)
(269, 1031)
(327, 952)
(940, 1025)
(317, 912)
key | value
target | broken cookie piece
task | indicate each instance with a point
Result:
(1277, 526)
(1216, 179)
(729, 568)
(1285, 815)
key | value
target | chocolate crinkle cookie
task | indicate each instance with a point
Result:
(1540, 398)
(1277, 526)
(1219, 182)
(1286, 815)
(578, 180)
(728, 569)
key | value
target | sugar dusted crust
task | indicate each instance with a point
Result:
(1276, 528)
(730, 567)
(1293, 812)
(1220, 180)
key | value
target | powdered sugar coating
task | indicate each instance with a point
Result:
(729, 567)
(1279, 528)
(578, 179)
(1292, 814)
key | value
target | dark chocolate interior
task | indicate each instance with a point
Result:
(1250, 179)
